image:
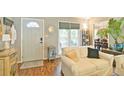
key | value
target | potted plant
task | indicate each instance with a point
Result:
(122, 39)
(115, 30)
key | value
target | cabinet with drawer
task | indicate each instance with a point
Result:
(8, 60)
(1, 67)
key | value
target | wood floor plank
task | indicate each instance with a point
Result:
(52, 68)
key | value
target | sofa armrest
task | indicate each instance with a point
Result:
(108, 57)
(69, 64)
(119, 61)
(67, 61)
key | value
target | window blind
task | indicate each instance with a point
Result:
(65, 25)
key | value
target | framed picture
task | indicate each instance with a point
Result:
(7, 21)
(7, 24)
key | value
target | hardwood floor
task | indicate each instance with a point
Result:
(52, 68)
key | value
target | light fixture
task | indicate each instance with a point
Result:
(85, 26)
(86, 22)
(51, 29)
(6, 38)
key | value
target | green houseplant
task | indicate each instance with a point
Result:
(102, 33)
(115, 30)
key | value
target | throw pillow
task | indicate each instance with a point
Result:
(93, 53)
(73, 55)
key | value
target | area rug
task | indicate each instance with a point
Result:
(31, 64)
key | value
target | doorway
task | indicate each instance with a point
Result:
(32, 39)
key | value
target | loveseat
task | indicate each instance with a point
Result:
(85, 66)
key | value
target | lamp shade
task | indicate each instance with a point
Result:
(5, 37)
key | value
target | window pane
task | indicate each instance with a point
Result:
(64, 38)
(68, 35)
(74, 37)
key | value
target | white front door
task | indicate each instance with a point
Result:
(32, 32)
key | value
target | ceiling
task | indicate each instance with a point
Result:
(96, 19)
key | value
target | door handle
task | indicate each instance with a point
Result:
(41, 40)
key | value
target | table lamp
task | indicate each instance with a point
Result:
(6, 39)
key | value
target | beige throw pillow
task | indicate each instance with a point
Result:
(73, 55)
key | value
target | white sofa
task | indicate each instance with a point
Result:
(86, 66)
(119, 65)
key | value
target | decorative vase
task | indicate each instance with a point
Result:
(118, 47)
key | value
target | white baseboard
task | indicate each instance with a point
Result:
(47, 57)
(43, 59)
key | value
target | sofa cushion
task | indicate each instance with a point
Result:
(93, 53)
(83, 52)
(68, 49)
(100, 63)
(84, 68)
(73, 55)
